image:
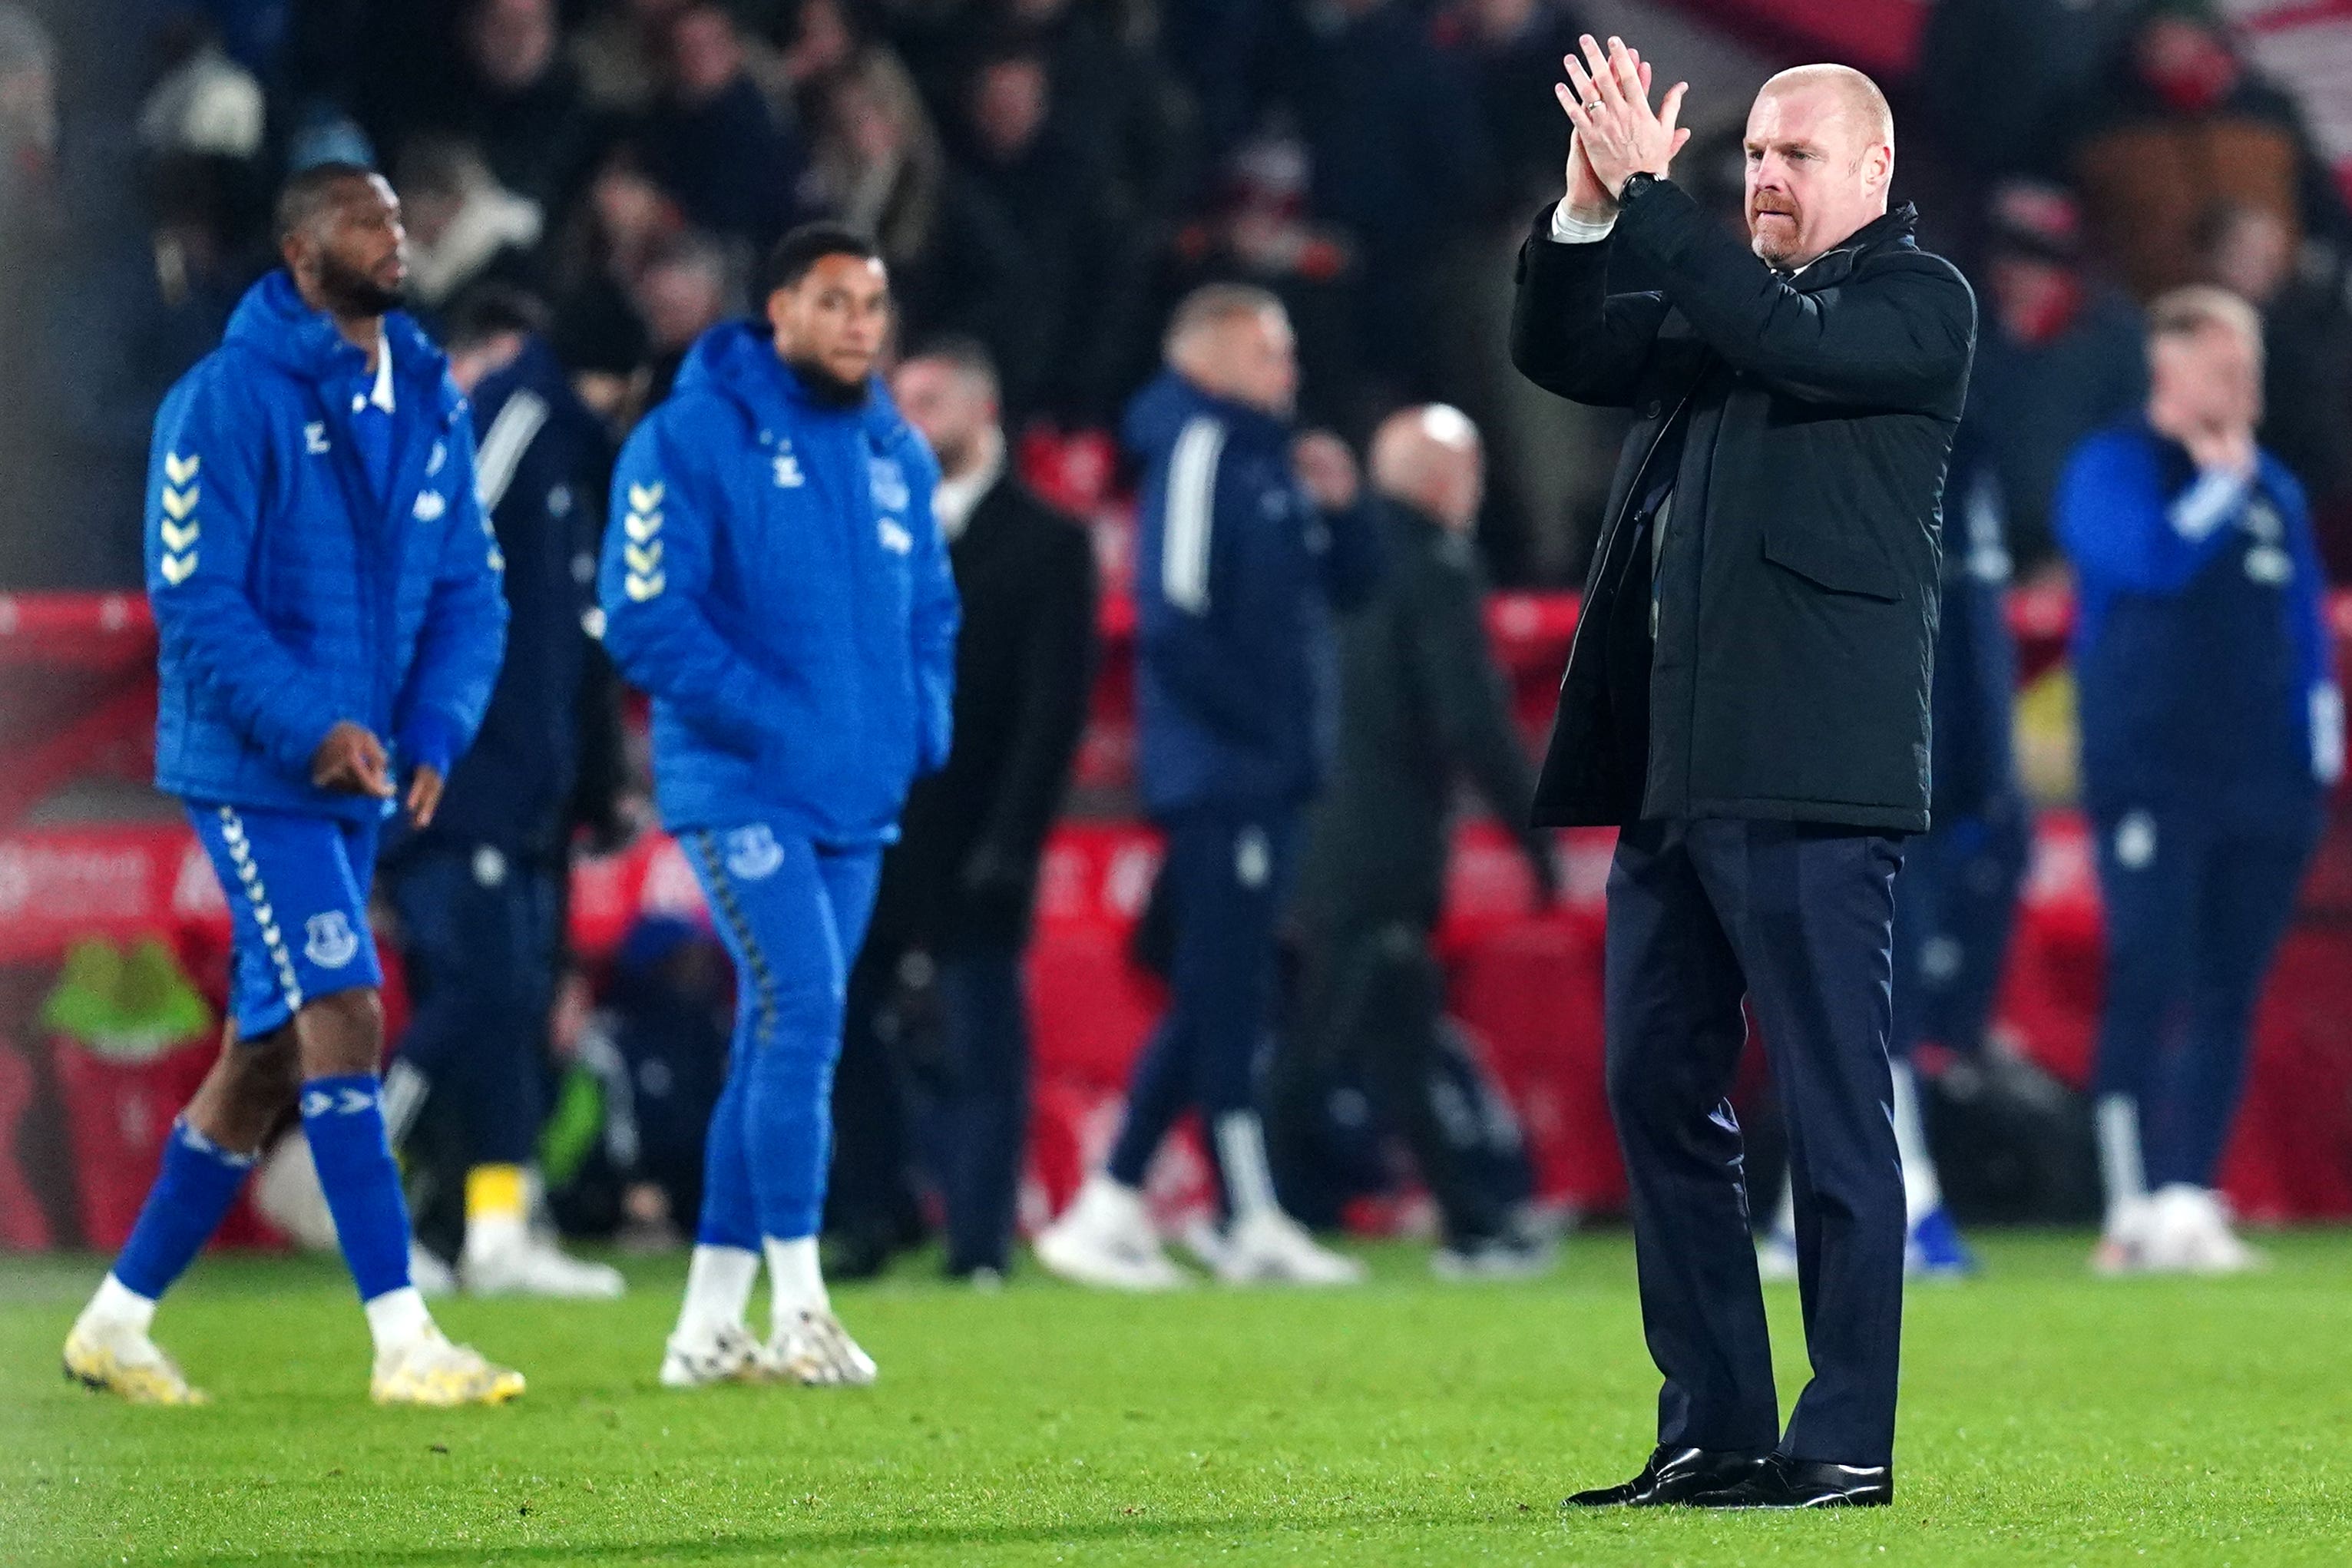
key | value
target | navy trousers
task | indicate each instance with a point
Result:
(482, 953)
(1229, 872)
(2195, 908)
(973, 1115)
(1796, 920)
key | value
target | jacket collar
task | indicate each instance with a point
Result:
(737, 360)
(1894, 228)
(274, 322)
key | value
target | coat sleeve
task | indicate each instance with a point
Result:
(2111, 519)
(1568, 334)
(934, 618)
(464, 638)
(656, 568)
(1058, 665)
(1898, 338)
(1454, 668)
(204, 481)
(1351, 567)
(1193, 614)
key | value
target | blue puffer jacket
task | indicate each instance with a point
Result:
(288, 594)
(1237, 575)
(774, 579)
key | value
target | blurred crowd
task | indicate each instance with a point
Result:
(1048, 176)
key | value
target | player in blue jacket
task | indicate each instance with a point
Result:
(2211, 729)
(326, 594)
(1247, 539)
(774, 578)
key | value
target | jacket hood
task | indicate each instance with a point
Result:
(1159, 412)
(274, 322)
(737, 361)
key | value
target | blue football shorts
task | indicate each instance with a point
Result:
(298, 893)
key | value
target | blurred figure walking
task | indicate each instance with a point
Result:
(2210, 727)
(1247, 542)
(1421, 704)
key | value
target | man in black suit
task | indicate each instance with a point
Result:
(941, 980)
(1747, 699)
(1421, 706)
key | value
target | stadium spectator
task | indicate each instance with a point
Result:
(778, 474)
(1114, 95)
(689, 285)
(1422, 704)
(2211, 725)
(1998, 80)
(599, 257)
(1547, 462)
(480, 890)
(2180, 127)
(1082, 259)
(618, 53)
(2059, 354)
(254, 546)
(522, 103)
(2306, 363)
(1397, 158)
(943, 959)
(712, 141)
(1248, 539)
(465, 229)
(957, 264)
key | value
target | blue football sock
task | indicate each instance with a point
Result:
(343, 1118)
(729, 1218)
(198, 1182)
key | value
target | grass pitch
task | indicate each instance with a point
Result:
(2048, 1418)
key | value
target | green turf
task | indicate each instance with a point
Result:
(2048, 1418)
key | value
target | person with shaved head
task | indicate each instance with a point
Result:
(1421, 705)
(1747, 701)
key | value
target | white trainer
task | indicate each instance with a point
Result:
(113, 1357)
(730, 1353)
(1106, 1238)
(2124, 1245)
(1269, 1247)
(530, 1265)
(813, 1348)
(2189, 1233)
(428, 1369)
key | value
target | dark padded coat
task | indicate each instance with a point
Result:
(1797, 590)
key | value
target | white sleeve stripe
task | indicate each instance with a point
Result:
(1190, 507)
(2207, 504)
(509, 439)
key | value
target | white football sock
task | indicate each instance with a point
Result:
(118, 1304)
(2120, 1165)
(796, 1281)
(1923, 1195)
(719, 1281)
(1241, 1151)
(395, 1318)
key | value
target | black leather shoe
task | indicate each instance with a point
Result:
(1783, 1482)
(1673, 1476)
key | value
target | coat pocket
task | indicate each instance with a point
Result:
(1835, 564)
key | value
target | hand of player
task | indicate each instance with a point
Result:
(1326, 468)
(1609, 103)
(424, 794)
(351, 761)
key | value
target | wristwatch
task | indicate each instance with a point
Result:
(1637, 184)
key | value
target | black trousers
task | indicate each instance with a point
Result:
(1797, 921)
(1374, 997)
